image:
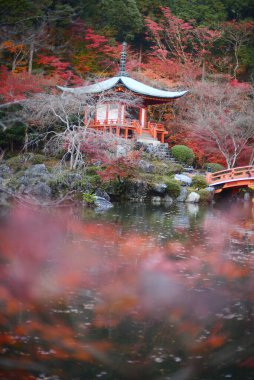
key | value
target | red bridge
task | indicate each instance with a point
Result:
(236, 177)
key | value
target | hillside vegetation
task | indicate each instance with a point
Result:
(204, 46)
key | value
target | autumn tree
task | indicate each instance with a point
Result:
(178, 41)
(120, 168)
(15, 89)
(58, 71)
(29, 27)
(18, 87)
(92, 52)
(222, 115)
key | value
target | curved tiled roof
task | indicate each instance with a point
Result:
(131, 84)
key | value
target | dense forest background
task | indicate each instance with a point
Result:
(171, 43)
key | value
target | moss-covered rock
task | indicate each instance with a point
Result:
(166, 167)
(24, 161)
(205, 196)
(63, 181)
(199, 182)
(173, 188)
(158, 188)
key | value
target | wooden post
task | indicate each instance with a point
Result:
(142, 117)
(107, 106)
(126, 133)
(123, 113)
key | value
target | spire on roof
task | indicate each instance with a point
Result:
(122, 72)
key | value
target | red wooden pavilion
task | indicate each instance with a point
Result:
(115, 117)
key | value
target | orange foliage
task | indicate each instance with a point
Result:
(120, 168)
(11, 47)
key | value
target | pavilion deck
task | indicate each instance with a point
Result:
(130, 128)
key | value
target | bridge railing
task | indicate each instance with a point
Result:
(228, 174)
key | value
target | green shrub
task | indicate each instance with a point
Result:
(92, 170)
(14, 160)
(183, 154)
(205, 196)
(58, 184)
(91, 180)
(116, 188)
(17, 163)
(214, 167)
(37, 159)
(14, 181)
(89, 199)
(23, 161)
(199, 182)
(173, 188)
(191, 189)
(63, 181)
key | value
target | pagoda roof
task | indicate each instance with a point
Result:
(127, 82)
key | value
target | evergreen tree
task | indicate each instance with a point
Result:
(239, 9)
(204, 12)
(212, 11)
(151, 8)
(122, 17)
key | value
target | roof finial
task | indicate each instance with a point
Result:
(122, 72)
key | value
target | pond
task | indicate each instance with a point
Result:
(137, 292)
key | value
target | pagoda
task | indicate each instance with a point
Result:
(116, 118)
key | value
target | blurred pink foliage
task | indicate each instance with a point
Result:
(48, 256)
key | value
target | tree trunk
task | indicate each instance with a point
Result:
(77, 157)
(2, 152)
(140, 56)
(26, 140)
(237, 61)
(71, 160)
(203, 71)
(13, 67)
(31, 56)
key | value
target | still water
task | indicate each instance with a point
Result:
(137, 292)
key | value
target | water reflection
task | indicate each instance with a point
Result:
(160, 222)
(139, 292)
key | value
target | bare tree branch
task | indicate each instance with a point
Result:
(70, 129)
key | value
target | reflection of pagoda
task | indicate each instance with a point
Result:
(115, 118)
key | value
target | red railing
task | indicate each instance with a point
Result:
(153, 128)
(243, 172)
